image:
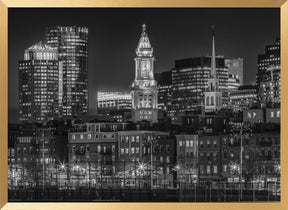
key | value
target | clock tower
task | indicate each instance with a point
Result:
(144, 88)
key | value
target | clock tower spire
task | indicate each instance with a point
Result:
(144, 88)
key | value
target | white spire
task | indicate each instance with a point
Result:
(213, 59)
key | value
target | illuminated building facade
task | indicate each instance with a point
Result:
(243, 98)
(108, 101)
(270, 87)
(72, 46)
(40, 84)
(235, 73)
(187, 158)
(189, 82)
(164, 81)
(271, 57)
(144, 88)
(212, 94)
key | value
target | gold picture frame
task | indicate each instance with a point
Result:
(5, 4)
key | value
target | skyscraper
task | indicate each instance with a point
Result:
(212, 95)
(40, 84)
(144, 88)
(164, 81)
(270, 87)
(235, 73)
(72, 46)
(269, 58)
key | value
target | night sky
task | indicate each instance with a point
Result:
(114, 35)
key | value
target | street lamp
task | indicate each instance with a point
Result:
(244, 131)
(141, 169)
(151, 142)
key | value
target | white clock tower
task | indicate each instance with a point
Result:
(144, 88)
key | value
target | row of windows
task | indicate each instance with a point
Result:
(209, 169)
(186, 143)
(86, 149)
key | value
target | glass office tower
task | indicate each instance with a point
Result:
(72, 46)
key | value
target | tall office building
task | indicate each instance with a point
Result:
(144, 88)
(269, 58)
(72, 46)
(270, 87)
(40, 84)
(189, 82)
(235, 73)
(164, 81)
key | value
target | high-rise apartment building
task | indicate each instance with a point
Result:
(71, 43)
(144, 87)
(40, 84)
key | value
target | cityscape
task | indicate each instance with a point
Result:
(200, 130)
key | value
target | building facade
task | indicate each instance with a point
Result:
(40, 84)
(209, 158)
(270, 57)
(270, 87)
(235, 73)
(205, 124)
(164, 81)
(108, 101)
(260, 158)
(144, 88)
(243, 98)
(71, 43)
(187, 148)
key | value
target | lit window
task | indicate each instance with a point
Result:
(272, 114)
(215, 169)
(208, 169)
(191, 143)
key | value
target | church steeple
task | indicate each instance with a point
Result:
(144, 47)
(213, 59)
(212, 95)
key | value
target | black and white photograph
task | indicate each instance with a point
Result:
(144, 105)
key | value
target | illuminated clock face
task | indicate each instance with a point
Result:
(145, 67)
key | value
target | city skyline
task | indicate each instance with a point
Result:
(190, 129)
(122, 38)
